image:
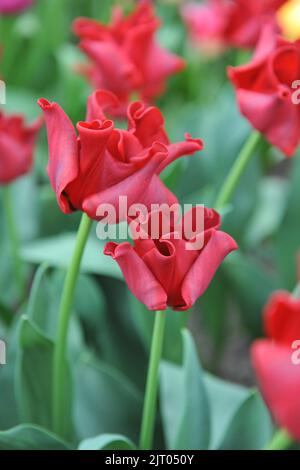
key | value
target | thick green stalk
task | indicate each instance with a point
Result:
(281, 441)
(149, 411)
(14, 241)
(237, 170)
(63, 325)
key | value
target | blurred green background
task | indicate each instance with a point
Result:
(111, 332)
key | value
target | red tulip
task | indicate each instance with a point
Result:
(216, 24)
(124, 56)
(265, 90)
(162, 271)
(16, 146)
(14, 6)
(101, 163)
(277, 361)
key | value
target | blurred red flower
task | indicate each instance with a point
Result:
(103, 163)
(16, 146)
(217, 24)
(265, 90)
(162, 272)
(14, 6)
(125, 58)
(277, 372)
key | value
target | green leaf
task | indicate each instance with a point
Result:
(57, 252)
(34, 377)
(269, 211)
(107, 442)
(6, 315)
(287, 241)
(28, 437)
(8, 408)
(214, 309)
(184, 403)
(143, 321)
(252, 285)
(44, 301)
(105, 401)
(39, 301)
(251, 427)
(171, 396)
(71, 84)
(224, 399)
(52, 221)
(34, 366)
(90, 303)
(115, 327)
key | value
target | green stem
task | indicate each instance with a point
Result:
(64, 318)
(237, 170)
(281, 441)
(149, 411)
(14, 240)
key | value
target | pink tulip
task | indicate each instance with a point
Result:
(14, 6)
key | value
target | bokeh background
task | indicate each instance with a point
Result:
(111, 332)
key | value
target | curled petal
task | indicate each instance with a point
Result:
(90, 29)
(138, 277)
(93, 140)
(147, 124)
(181, 149)
(101, 103)
(63, 163)
(256, 75)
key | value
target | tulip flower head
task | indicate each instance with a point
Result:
(266, 90)
(17, 142)
(125, 57)
(276, 361)
(100, 162)
(166, 271)
(220, 24)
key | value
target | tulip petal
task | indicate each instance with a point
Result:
(202, 271)
(135, 186)
(282, 318)
(118, 79)
(278, 119)
(157, 193)
(147, 124)
(138, 277)
(279, 381)
(16, 146)
(175, 151)
(16, 158)
(101, 103)
(63, 164)
(90, 29)
(93, 140)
